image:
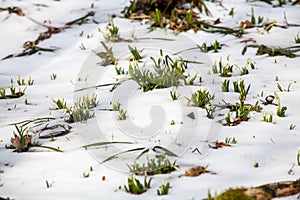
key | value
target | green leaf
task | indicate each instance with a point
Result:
(168, 152)
(104, 143)
(123, 152)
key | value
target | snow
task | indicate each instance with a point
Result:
(149, 114)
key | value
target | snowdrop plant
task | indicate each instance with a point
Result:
(229, 140)
(201, 98)
(163, 188)
(53, 76)
(112, 31)
(215, 47)
(157, 165)
(297, 39)
(225, 85)
(135, 53)
(268, 119)
(134, 186)
(174, 95)
(280, 110)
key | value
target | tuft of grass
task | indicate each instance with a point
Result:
(229, 140)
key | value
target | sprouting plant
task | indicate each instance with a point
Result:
(225, 85)
(210, 109)
(2, 92)
(163, 188)
(231, 12)
(244, 71)
(22, 139)
(157, 165)
(250, 63)
(60, 103)
(172, 122)
(228, 119)
(239, 86)
(255, 164)
(48, 184)
(298, 157)
(135, 186)
(107, 56)
(116, 105)
(292, 126)
(284, 90)
(280, 110)
(135, 53)
(215, 47)
(30, 80)
(82, 106)
(119, 70)
(20, 81)
(201, 98)
(86, 174)
(167, 72)
(243, 111)
(229, 140)
(268, 119)
(53, 76)
(122, 114)
(12, 89)
(82, 47)
(174, 95)
(297, 39)
(158, 19)
(112, 31)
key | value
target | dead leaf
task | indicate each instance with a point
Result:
(195, 171)
(217, 145)
(247, 24)
(191, 115)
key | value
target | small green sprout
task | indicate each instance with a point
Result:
(268, 119)
(53, 76)
(122, 114)
(135, 186)
(229, 140)
(292, 126)
(256, 165)
(86, 174)
(174, 95)
(164, 188)
(48, 184)
(135, 53)
(225, 85)
(297, 39)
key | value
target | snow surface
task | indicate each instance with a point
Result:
(149, 115)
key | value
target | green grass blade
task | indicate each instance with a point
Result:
(104, 143)
(168, 152)
(123, 152)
